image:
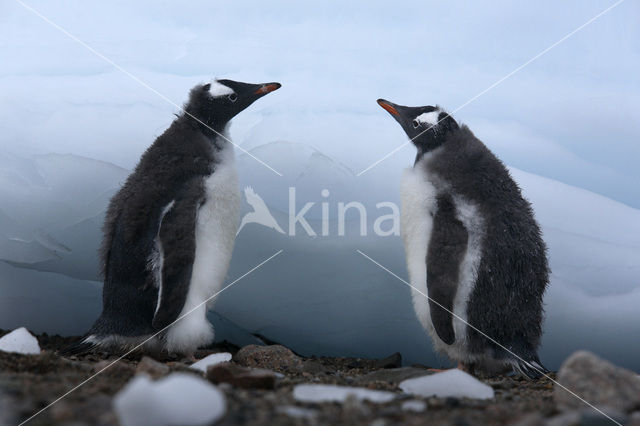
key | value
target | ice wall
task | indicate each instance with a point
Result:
(319, 296)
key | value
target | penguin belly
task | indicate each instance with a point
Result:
(216, 226)
(419, 198)
(418, 206)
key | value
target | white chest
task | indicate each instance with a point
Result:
(216, 226)
(217, 218)
(418, 205)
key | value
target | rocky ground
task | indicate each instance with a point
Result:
(258, 385)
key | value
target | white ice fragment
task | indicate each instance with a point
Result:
(212, 359)
(414, 405)
(333, 393)
(177, 399)
(451, 383)
(297, 412)
(20, 341)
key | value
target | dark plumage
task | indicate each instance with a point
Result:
(476, 203)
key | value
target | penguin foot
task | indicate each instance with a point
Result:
(531, 370)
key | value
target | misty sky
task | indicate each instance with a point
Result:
(572, 115)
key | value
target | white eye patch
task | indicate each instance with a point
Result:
(218, 89)
(430, 118)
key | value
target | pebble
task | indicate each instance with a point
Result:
(392, 361)
(274, 357)
(241, 377)
(151, 367)
(608, 387)
(392, 375)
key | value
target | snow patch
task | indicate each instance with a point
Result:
(20, 341)
(334, 393)
(177, 399)
(210, 360)
(452, 383)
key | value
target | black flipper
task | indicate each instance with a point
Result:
(176, 235)
(446, 250)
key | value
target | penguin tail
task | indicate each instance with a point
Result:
(85, 345)
(532, 369)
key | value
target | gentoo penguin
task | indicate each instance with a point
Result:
(472, 244)
(170, 230)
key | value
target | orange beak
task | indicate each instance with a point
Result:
(390, 109)
(267, 88)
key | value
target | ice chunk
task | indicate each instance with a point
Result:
(20, 341)
(335, 393)
(177, 399)
(26, 252)
(212, 359)
(414, 405)
(49, 242)
(297, 412)
(451, 383)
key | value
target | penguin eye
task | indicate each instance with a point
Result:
(416, 124)
(233, 97)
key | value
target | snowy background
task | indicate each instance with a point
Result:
(568, 124)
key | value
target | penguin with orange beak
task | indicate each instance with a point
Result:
(170, 230)
(472, 245)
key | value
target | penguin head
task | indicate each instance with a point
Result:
(216, 103)
(426, 126)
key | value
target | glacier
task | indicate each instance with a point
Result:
(319, 297)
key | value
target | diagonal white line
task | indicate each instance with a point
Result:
(140, 81)
(496, 83)
(490, 338)
(151, 337)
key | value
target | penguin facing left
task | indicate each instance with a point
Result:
(170, 230)
(473, 245)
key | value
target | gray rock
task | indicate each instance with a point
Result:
(531, 419)
(274, 357)
(597, 381)
(570, 418)
(313, 367)
(392, 361)
(7, 414)
(119, 368)
(593, 418)
(241, 377)
(392, 375)
(585, 417)
(153, 368)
